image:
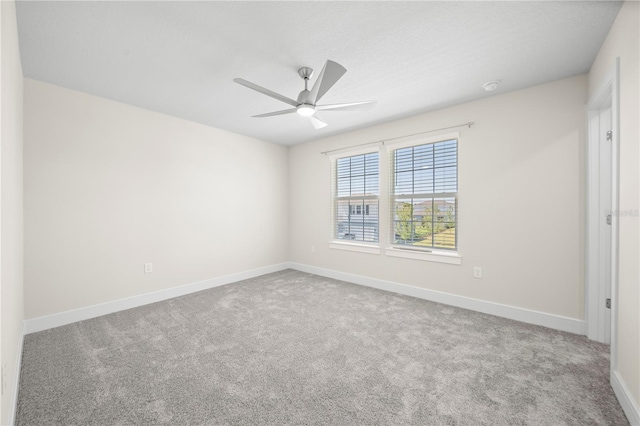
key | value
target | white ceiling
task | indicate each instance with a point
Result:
(180, 58)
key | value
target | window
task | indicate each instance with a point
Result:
(424, 195)
(419, 180)
(356, 190)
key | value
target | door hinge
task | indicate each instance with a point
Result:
(608, 303)
(609, 135)
(608, 219)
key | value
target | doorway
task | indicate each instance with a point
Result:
(602, 220)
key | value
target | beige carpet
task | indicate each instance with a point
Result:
(298, 349)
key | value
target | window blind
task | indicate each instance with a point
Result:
(424, 195)
(356, 189)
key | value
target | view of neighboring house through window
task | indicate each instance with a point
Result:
(356, 192)
(424, 195)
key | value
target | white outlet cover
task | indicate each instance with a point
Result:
(477, 272)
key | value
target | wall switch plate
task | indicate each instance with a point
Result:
(313, 249)
(148, 268)
(477, 272)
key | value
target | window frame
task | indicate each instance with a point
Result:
(436, 254)
(385, 245)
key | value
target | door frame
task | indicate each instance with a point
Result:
(606, 96)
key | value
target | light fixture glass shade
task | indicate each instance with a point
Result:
(305, 110)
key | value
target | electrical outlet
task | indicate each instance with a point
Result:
(477, 272)
(148, 268)
(313, 249)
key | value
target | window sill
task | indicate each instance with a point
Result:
(362, 248)
(440, 256)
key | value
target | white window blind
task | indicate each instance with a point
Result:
(356, 188)
(424, 195)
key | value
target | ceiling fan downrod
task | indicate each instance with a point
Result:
(305, 73)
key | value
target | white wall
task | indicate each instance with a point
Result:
(11, 241)
(521, 201)
(109, 187)
(623, 42)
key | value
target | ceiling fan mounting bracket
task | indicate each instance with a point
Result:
(305, 73)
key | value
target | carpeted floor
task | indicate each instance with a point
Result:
(294, 348)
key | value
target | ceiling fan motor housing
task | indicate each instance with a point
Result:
(303, 97)
(305, 73)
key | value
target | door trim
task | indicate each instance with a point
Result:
(606, 96)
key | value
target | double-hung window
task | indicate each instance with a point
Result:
(356, 188)
(424, 195)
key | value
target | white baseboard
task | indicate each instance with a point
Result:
(519, 314)
(629, 406)
(16, 385)
(63, 318)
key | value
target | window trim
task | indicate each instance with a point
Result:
(369, 248)
(449, 256)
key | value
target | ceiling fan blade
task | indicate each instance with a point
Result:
(318, 123)
(264, 91)
(330, 74)
(352, 106)
(270, 114)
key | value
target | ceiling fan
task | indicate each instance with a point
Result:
(306, 104)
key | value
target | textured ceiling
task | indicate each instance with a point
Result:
(180, 58)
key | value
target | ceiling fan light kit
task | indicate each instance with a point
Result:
(305, 110)
(306, 103)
